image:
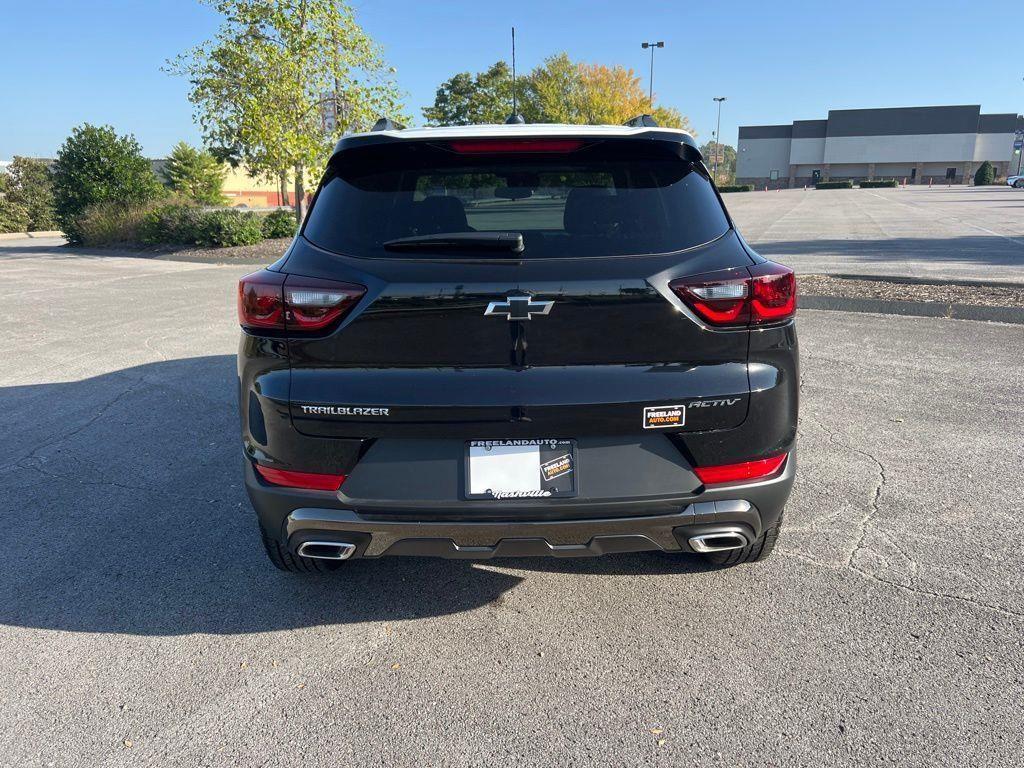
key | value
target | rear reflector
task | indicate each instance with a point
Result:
(274, 301)
(311, 481)
(746, 470)
(491, 146)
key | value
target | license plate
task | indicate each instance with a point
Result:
(520, 469)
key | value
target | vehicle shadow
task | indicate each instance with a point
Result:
(124, 511)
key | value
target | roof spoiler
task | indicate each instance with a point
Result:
(642, 121)
(387, 124)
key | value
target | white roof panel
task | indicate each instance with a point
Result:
(505, 130)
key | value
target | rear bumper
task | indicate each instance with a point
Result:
(304, 516)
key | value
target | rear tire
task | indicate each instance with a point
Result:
(759, 549)
(284, 560)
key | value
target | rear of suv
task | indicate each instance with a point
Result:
(517, 340)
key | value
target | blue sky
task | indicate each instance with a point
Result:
(64, 63)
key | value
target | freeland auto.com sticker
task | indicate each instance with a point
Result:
(557, 467)
(661, 416)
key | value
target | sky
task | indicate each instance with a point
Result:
(63, 63)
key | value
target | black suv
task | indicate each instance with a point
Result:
(513, 340)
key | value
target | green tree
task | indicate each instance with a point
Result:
(558, 91)
(986, 174)
(194, 173)
(670, 117)
(95, 165)
(13, 216)
(552, 92)
(467, 99)
(30, 185)
(282, 80)
(726, 162)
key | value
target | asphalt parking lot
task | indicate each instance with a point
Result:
(974, 233)
(141, 623)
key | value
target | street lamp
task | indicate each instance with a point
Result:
(718, 135)
(652, 46)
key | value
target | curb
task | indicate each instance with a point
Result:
(901, 280)
(914, 308)
(30, 235)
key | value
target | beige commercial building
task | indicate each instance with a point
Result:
(918, 144)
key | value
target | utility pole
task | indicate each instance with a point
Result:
(652, 46)
(718, 135)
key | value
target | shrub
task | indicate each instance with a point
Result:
(878, 184)
(736, 188)
(195, 174)
(186, 224)
(834, 185)
(112, 223)
(986, 174)
(175, 223)
(30, 185)
(14, 217)
(223, 229)
(279, 223)
(95, 165)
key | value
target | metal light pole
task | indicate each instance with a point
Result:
(652, 46)
(718, 135)
(1020, 152)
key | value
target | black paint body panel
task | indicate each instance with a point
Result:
(419, 349)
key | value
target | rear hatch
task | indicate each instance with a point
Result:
(516, 289)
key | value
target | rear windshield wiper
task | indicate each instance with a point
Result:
(510, 242)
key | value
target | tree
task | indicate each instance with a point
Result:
(195, 174)
(467, 99)
(552, 93)
(611, 95)
(986, 174)
(558, 91)
(726, 162)
(282, 80)
(95, 165)
(30, 185)
(13, 216)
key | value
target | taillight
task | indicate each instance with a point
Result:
(273, 301)
(491, 146)
(261, 301)
(312, 481)
(773, 293)
(764, 293)
(312, 305)
(745, 470)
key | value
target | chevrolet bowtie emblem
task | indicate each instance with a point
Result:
(518, 308)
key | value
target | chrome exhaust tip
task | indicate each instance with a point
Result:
(718, 542)
(326, 550)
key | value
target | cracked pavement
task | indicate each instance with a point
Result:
(142, 625)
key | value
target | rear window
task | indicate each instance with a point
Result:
(609, 198)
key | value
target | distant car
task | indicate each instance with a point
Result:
(390, 402)
(1015, 181)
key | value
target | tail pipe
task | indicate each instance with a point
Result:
(718, 542)
(326, 550)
